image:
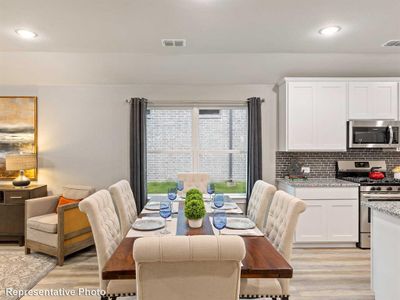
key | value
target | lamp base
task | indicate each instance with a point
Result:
(21, 180)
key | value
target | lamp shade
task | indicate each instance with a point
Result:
(16, 162)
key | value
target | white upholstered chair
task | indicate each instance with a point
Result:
(188, 267)
(125, 205)
(281, 224)
(259, 202)
(194, 180)
(107, 234)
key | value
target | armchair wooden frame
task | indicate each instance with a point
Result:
(73, 232)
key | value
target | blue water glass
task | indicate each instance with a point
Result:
(180, 185)
(165, 212)
(219, 200)
(219, 221)
(172, 193)
(210, 189)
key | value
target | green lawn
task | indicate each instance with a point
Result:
(161, 187)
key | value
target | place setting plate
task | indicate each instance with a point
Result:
(148, 224)
(239, 223)
(227, 206)
(152, 206)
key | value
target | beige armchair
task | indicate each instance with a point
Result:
(194, 180)
(57, 231)
(281, 224)
(188, 267)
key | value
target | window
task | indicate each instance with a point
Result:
(211, 140)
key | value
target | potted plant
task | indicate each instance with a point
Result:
(193, 197)
(195, 212)
(192, 192)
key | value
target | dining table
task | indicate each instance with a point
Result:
(262, 259)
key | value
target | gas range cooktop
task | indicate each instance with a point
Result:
(373, 182)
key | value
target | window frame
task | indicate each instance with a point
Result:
(195, 149)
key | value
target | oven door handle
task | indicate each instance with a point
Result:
(394, 196)
(390, 134)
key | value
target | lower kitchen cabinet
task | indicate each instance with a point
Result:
(331, 217)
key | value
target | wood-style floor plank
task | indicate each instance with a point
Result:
(329, 274)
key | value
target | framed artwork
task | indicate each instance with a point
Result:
(18, 131)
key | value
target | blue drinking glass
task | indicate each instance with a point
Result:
(219, 200)
(210, 189)
(165, 212)
(180, 185)
(219, 221)
(172, 194)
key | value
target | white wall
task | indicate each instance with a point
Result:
(83, 131)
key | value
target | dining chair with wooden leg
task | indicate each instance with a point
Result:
(125, 204)
(194, 180)
(281, 224)
(259, 202)
(106, 229)
(188, 267)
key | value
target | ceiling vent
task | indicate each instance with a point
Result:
(173, 42)
(392, 43)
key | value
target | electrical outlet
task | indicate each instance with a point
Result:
(305, 170)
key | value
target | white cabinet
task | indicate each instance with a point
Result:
(312, 116)
(331, 216)
(373, 100)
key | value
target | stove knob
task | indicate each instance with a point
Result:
(372, 189)
(389, 188)
(378, 188)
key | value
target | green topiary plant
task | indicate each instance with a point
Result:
(193, 197)
(193, 192)
(195, 209)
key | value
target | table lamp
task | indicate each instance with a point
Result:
(21, 162)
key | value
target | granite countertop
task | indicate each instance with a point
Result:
(388, 207)
(318, 182)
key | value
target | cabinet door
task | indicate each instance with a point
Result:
(373, 100)
(342, 220)
(359, 94)
(383, 103)
(301, 116)
(312, 224)
(330, 116)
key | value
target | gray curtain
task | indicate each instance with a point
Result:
(254, 145)
(138, 164)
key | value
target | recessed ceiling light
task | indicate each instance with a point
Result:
(330, 30)
(26, 34)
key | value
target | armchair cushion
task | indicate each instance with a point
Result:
(63, 201)
(77, 192)
(46, 223)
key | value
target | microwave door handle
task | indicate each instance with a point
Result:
(390, 134)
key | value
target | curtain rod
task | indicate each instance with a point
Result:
(177, 102)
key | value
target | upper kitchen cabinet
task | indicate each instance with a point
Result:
(373, 100)
(312, 116)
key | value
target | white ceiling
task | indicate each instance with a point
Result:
(228, 41)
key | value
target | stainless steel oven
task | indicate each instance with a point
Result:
(365, 212)
(374, 134)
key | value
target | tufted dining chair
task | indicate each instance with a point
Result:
(194, 180)
(281, 224)
(259, 202)
(125, 205)
(107, 234)
(188, 267)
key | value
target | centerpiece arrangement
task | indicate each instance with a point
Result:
(194, 208)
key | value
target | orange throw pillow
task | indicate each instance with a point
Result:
(64, 201)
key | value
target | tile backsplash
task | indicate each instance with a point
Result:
(323, 164)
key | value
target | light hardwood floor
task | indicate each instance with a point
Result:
(328, 274)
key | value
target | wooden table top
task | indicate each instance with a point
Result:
(262, 259)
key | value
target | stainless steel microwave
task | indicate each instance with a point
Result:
(374, 134)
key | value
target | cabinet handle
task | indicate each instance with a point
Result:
(16, 197)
